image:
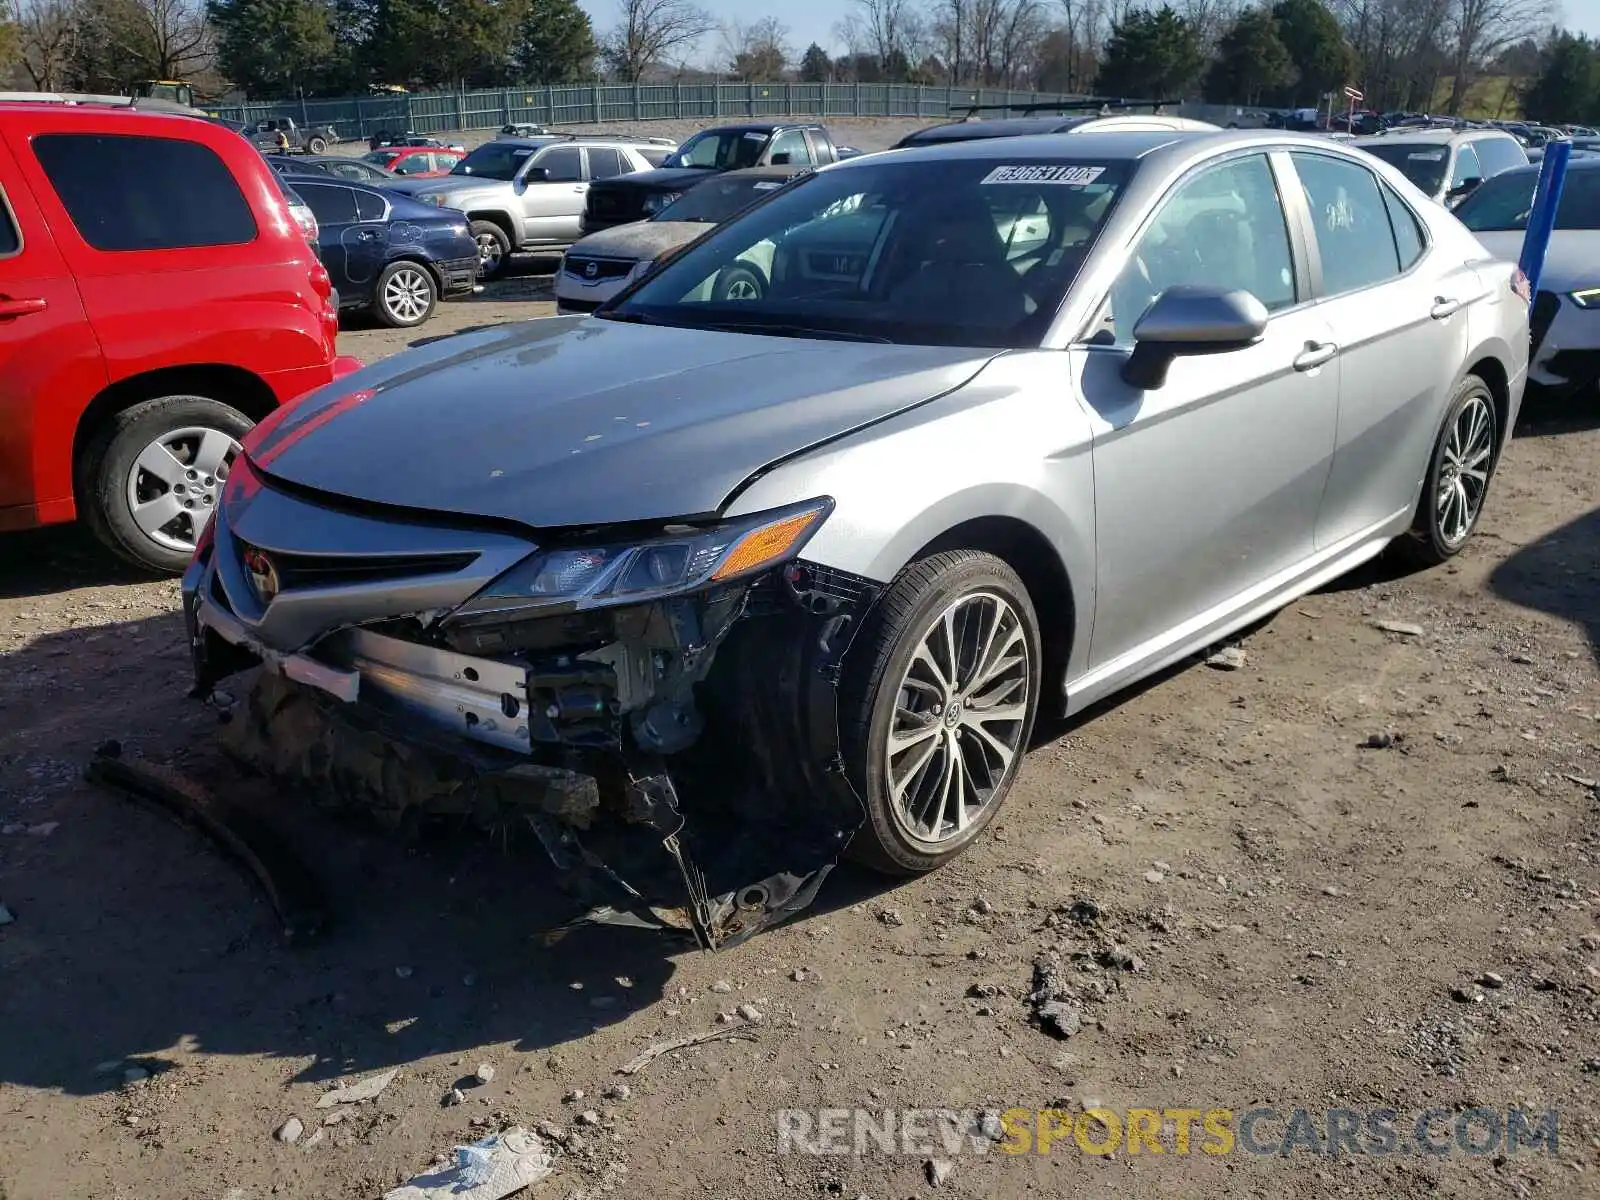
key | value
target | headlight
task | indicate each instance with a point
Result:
(433, 198)
(655, 203)
(1587, 297)
(601, 575)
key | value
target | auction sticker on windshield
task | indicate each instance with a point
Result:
(1070, 176)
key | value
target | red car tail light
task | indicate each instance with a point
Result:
(321, 282)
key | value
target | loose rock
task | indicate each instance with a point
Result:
(891, 916)
(1490, 979)
(588, 1117)
(750, 1013)
(1466, 995)
(1153, 876)
(939, 1170)
(618, 1091)
(722, 987)
(1063, 1018)
(484, 1073)
(1227, 658)
(289, 1132)
(573, 1096)
(454, 1097)
(1399, 628)
(1382, 740)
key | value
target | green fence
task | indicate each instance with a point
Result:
(438, 112)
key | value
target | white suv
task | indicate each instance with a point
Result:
(528, 193)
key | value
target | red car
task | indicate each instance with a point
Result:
(158, 295)
(414, 162)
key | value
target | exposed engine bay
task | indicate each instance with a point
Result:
(677, 759)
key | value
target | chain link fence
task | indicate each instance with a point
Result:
(439, 112)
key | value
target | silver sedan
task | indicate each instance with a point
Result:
(1008, 426)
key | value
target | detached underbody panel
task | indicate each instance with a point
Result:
(677, 759)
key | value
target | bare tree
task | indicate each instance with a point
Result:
(650, 31)
(46, 30)
(759, 51)
(172, 36)
(1481, 29)
(885, 26)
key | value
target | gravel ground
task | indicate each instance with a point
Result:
(1357, 869)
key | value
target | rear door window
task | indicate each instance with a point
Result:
(369, 207)
(10, 239)
(128, 192)
(1408, 236)
(332, 205)
(605, 163)
(1354, 236)
(791, 143)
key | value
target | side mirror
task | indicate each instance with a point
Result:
(537, 175)
(1188, 320)
(1463, 189)
(782, 159)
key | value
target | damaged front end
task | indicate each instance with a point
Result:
(657, 706)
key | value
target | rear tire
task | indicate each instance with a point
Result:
(958, 748)
(1457, 483)
(405, 295)
(494, 249)
(126, 484)
(316, 146)
(738, 284)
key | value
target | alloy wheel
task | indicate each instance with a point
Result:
(960, 714)
(489, 253)
(1464, 471)
(407, 293)
(174, 484)
(743, 289)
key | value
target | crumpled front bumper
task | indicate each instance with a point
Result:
(718, 839)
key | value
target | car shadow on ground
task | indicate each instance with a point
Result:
(1553, 414)
(1555, 575)
(43, 562)
(135, 934)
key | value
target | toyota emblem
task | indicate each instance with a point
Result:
(263, 575)
(590, 271)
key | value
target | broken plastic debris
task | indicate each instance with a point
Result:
(355, 1093)
(490, 1169)
(642, 1060)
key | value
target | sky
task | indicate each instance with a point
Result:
(814, 20)
(808, 21)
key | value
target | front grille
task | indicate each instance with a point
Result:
(330, 570)
(1545, 307)
(602, 268)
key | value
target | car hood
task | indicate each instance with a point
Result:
(1571, 262)
(442, 183)
(562, 422)
(664, 179)
(640, 240)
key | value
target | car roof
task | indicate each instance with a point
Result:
(1434, 137)
(1584, 163)
(1109, 146)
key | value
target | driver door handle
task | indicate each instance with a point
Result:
(1443, 307)
(1314, 355)
(10, 307)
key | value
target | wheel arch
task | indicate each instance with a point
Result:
(1491, 368)
(1029, 553)
(496, 216)
(230, 385)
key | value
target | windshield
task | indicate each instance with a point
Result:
(1503, 202)
(494, 160)
(721, 150)
(951, 252)
(718, 199)
(380, 158)
(1425, 166)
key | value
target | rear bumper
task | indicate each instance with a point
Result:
(457, 276)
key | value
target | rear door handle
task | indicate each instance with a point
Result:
(21, 308)
(1443, 307)
(1314, 355)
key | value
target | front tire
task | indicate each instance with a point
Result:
(739, 283)
(1457, 483)
(406, 295)
(316, 146)
(494, 249)
(151, 478)
(936, 708)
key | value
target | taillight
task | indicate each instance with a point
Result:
(321, 282)
(1520, 287)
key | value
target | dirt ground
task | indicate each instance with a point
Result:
(1311, 918)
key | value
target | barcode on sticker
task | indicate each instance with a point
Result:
(1070, 176)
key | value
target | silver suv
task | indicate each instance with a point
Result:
(1447, 164)
(528, 193)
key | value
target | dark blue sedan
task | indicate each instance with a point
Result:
(386, 252)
